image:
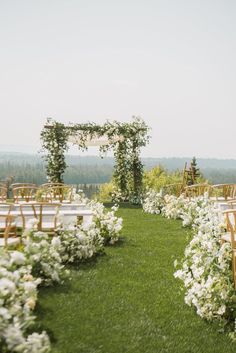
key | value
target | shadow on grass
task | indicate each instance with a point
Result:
(39, 326)
(64, 287)
(122, 241)
(122, 205)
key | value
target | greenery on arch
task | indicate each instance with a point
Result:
(125, 139)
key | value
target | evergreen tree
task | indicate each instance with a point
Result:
(194, 172)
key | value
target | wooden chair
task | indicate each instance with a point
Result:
(8, 229)
(231, 204)
(224, 192)
(230, 237)
(45, 213)
(3, 194)
(59, 193)
(24, 194)
(197, 190)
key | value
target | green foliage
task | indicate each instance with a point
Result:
(105, 192)
(158, 177)
(54, 140)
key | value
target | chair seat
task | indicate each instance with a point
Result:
(10, 241)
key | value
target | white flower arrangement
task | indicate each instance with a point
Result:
(206, 269)
(84, 241)
(80, 244)
(153, 202)
(43, 254)
(18, 295)
(41, 262)
(108, 224)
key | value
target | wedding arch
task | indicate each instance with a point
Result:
(125, 139)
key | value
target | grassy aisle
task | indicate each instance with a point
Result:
(128, 301)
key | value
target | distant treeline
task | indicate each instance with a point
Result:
(94, 170)
(35, 173)
(219, 176)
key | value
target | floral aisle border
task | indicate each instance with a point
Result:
(206, 268)
(128, 170)
(41, 261)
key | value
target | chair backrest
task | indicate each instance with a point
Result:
(17, 185)
(225, 191)
(230, 217)
(3, 194)
(197, 190)
(59, 193)
(24, 193)
(43, 212)
(229, 191)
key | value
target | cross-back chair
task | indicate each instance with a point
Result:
(197, 190)
(230, 237)
(224, 191)
(45, 213)
(3, 194)
(57, 193)
(24, 193)
(8, 229)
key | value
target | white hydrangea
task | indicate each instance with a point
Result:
(153, 202)
(43, 254)
(206, 270)
(18, 295)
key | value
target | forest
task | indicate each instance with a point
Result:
(95, 170)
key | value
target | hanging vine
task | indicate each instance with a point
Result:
(54, 139)
(125, 139)
(121, 172)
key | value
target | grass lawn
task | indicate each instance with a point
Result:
(127, 300)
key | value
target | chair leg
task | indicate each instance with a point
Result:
(234, 266)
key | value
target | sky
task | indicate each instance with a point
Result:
(170, 62)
